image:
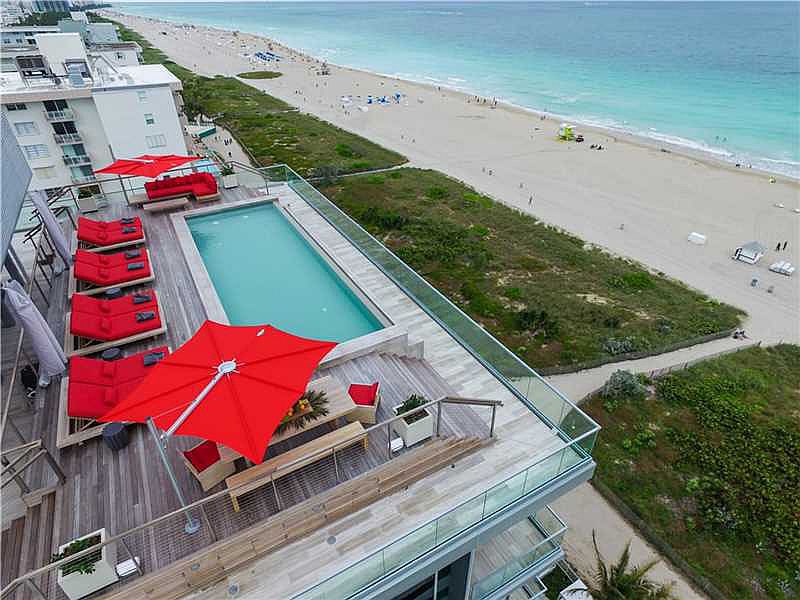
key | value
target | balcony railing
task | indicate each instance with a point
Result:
(552, 529)
(81, 179)
(65, 114)
(72, 161)
(67, 138)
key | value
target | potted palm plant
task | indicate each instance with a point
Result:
(229, 179)
(417, 426)
(90, 572)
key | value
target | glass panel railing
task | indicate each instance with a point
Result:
(552, 530)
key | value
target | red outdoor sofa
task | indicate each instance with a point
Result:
(202, 186)
(94, 324)
(95, 275)
(95, 386)
(109, 235)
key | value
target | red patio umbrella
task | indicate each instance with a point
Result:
(232, 385)
(147, 165)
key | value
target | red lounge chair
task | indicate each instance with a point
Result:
(88, 278)
(202, 186)
(204, 462)
(108, 235)
(96, 326)
(143, 300)
(367, 397)
(109, 260)
(93, 387)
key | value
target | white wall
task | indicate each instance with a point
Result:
(60, 47)
(122, 114)
(119, 58)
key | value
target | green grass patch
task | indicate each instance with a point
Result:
(709, 459)
(271, 130)
(260, 75)
(540, 291)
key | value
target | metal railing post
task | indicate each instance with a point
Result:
(23, 487)
(494, 415)
(275, 490)
(336, 466)
(133, 558)
(62, 478)
(439, 419)
(35, 588)
(389, 440)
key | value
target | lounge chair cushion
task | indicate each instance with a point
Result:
(104, 276)
(196, 184)
(203, 455)
(101, 233)
(84, 223)
(364, 394)
(147, 300)
(109, 329)
(96, 386)
(106, 260)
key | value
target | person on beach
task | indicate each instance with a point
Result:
(786, 243)
(530, 200)
(778, 247)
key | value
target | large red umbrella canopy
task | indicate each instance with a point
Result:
(147, 165)
(261, 372)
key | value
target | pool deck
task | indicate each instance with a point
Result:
(120, 490)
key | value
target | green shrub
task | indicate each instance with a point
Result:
(344, 151)
(616, 346)
(622, 386)
(437, 193)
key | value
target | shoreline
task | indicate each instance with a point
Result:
(711, 156)
(512, 155)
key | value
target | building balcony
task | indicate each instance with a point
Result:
(67, 138)
(79, 180)
(59, 115)
(74, 161)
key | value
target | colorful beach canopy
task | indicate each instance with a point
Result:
(147, 165)
(232, 385)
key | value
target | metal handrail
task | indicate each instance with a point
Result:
(198, 504)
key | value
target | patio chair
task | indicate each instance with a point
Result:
(87, 277)
(92, 387)
(95, 325)
(96, 236)
(367, 397)
(204, 462)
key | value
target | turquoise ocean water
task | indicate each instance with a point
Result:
(721, 77)
(265, 272)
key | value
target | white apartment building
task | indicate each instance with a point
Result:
(74, 111)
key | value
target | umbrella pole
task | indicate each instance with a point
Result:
(192, 524)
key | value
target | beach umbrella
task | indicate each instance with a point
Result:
(147, 165)
(232, 385)
(62, 246)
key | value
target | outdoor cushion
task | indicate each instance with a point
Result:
(108, 260)
(117, 306)
(108, 372)
(107, 329)
(110, 233)
(96, 386)
(84, 223)
(203, 455)
(198, 184)
(111, 275)
(363, 394)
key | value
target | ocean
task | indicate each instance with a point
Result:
(717, 77)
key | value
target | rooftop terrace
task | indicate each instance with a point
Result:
(345, 520)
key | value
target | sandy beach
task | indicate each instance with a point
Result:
(633, 198)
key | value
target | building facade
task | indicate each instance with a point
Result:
(74, 111)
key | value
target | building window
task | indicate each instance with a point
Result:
(55, 105)
(26, 128)
(156, 141)
(149, 119)
(142, 95)
(36, 151)
(45, 172)
(18, 106)
(120, 56)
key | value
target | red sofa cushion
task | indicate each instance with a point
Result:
(84, 223)
(111, 372)
(108, 260)
(364, 394)
(108, 236)
(203, 455)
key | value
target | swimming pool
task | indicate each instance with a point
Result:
(264, 271)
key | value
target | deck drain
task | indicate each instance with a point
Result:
(331, 540)
(233, 590)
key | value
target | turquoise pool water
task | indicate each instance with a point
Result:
(265, 272)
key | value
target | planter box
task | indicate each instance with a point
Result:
(230, 181)
(415, 432)
(87, 205)
(79, 585)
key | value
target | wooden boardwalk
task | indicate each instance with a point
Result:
(120, 490)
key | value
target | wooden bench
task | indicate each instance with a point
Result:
(161, 205)
(296, 458)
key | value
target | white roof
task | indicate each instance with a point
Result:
(137, 75)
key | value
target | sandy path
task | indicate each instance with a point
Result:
(511, 154)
